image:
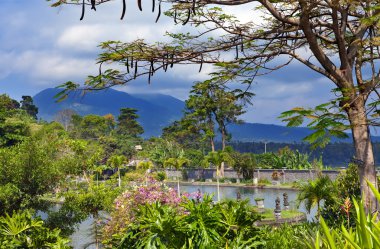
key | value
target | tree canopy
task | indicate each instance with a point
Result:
(337, 39)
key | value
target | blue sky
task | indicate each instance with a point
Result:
(42, 47)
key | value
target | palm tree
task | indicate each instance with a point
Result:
(314, 191)
(217, 158)
(117, 161)
(177, 163)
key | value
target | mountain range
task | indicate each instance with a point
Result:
(155, 112)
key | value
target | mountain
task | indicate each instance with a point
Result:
(155, 110)
(248, 132)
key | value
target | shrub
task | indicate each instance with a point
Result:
(229, 224)
(160, 176)
(22, 231)
(134, 176)
(126, 205)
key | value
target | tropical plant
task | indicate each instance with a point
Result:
(365, 234)
(339, 210)
(21, 230)
(144, 165)
(245, 163)
(314, 191)
(288, 236)
(116, 161)
(217, 158)
(195, 224)
(176, 163)
(80, 204)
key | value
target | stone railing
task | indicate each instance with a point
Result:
(284, 175)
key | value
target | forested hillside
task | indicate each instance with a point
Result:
(334, 154)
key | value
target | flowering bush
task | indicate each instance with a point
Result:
(127, 203)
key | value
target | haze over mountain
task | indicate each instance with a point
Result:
(156, 111)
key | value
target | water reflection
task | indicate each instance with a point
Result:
(269, 195)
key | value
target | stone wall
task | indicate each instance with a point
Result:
(285, 175)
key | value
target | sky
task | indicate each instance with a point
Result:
(42, 47)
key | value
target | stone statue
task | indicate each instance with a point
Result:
(198, 196)
(238, 196)
(278, 206)
(277, 211)
(286, 202)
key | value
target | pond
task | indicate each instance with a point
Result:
(84, 235)
(269, 195)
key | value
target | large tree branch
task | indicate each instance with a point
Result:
(319, 54)
(311, 65)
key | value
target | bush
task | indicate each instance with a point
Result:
(22, 231)
(160, 176)
(126, 205)
(134, 176)
(229, 224)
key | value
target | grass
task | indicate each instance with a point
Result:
(268, 214)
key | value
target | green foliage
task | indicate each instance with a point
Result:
(184, 132)
(285, 158)
(22, 231)
(80, 204)
(176, 163)
(10, 198)
(338, 211)
(324, 122)
(160, 176)
(144, 165)
(90, 126)
(211, 101)
(288, 236)
(14, 122)
(216, 158)
(228, 224)
(29, 107)
(365, 234)
(33, 167)
(127, 124)
(314, 191)
(159, 150)
(244, 164)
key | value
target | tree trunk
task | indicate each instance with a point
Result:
(223, 147)
(363, 153)
(212, 144)
(223, 140)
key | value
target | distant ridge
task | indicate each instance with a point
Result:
(156, 111)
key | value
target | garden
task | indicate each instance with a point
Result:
(130, 190)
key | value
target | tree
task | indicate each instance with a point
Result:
(210, 101)
(340, 37)
(117, 161)
(127, 124)
(314, 191)
(14, 123)
(184, 132)
(28, 106)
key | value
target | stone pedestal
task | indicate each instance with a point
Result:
(277, 214)
(255, 181)
(260, 203)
